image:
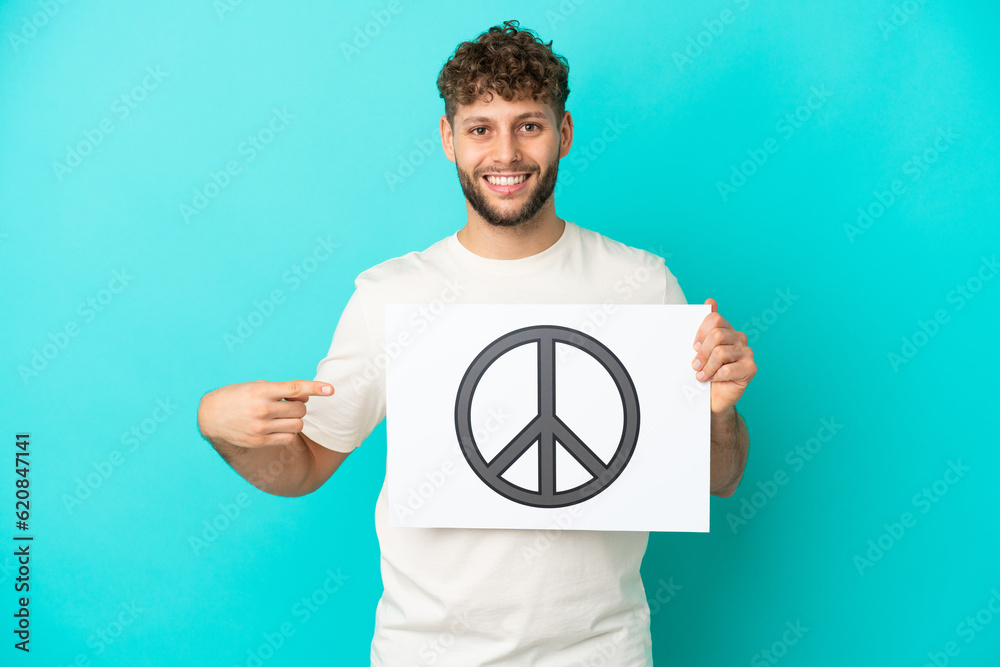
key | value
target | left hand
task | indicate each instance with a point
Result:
(724, 358)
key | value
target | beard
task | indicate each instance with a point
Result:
(475, 194)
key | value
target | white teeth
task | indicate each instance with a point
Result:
(506, 180)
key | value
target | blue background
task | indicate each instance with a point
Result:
(897, 77)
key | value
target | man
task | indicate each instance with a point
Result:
(471, 597)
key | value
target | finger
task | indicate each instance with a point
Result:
(278, 439)
(292, 409)
(712, 339)
(283, 426)
(720, 356)
(741, 371)
(712, 321)
(296, 389)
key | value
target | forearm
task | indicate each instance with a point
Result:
(280, 470)
(729, 450)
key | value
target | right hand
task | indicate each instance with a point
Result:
(259, 413)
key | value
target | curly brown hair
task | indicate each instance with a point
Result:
(509, 61)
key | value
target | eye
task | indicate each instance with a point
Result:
(531, 125)
(473, 131)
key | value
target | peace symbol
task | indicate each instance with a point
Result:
(546, 428)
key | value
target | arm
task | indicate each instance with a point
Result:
(730, 447)
(724, 359)
(257, 428)
(277, 469)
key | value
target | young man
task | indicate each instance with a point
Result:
(472, 597)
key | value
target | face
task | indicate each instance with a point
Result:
(507, 155)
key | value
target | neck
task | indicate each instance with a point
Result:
(524, 240)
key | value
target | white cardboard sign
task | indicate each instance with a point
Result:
(547, 416)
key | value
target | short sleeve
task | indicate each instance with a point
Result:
(673, 294)
(342, 421)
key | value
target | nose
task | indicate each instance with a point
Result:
(507, 151)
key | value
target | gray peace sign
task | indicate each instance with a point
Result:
(546, 427)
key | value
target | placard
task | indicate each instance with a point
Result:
(577, 417)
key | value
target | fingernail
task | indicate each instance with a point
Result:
(697, 346)
(697, 363)
(701, 376)
(326, 389)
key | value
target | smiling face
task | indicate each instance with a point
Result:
(507, 155)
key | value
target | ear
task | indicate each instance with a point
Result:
(566, 134)
(447, 140)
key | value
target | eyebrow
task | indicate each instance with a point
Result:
(527, 114)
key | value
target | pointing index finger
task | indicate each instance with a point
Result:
(301, 390)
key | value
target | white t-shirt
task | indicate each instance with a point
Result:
(463, 597)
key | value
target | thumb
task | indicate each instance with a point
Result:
(714, 304)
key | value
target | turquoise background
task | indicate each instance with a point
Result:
(893, 86)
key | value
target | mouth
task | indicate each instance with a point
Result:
(507, 184)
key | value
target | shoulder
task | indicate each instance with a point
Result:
(635, 272)
(608, 250)
(403, 272)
